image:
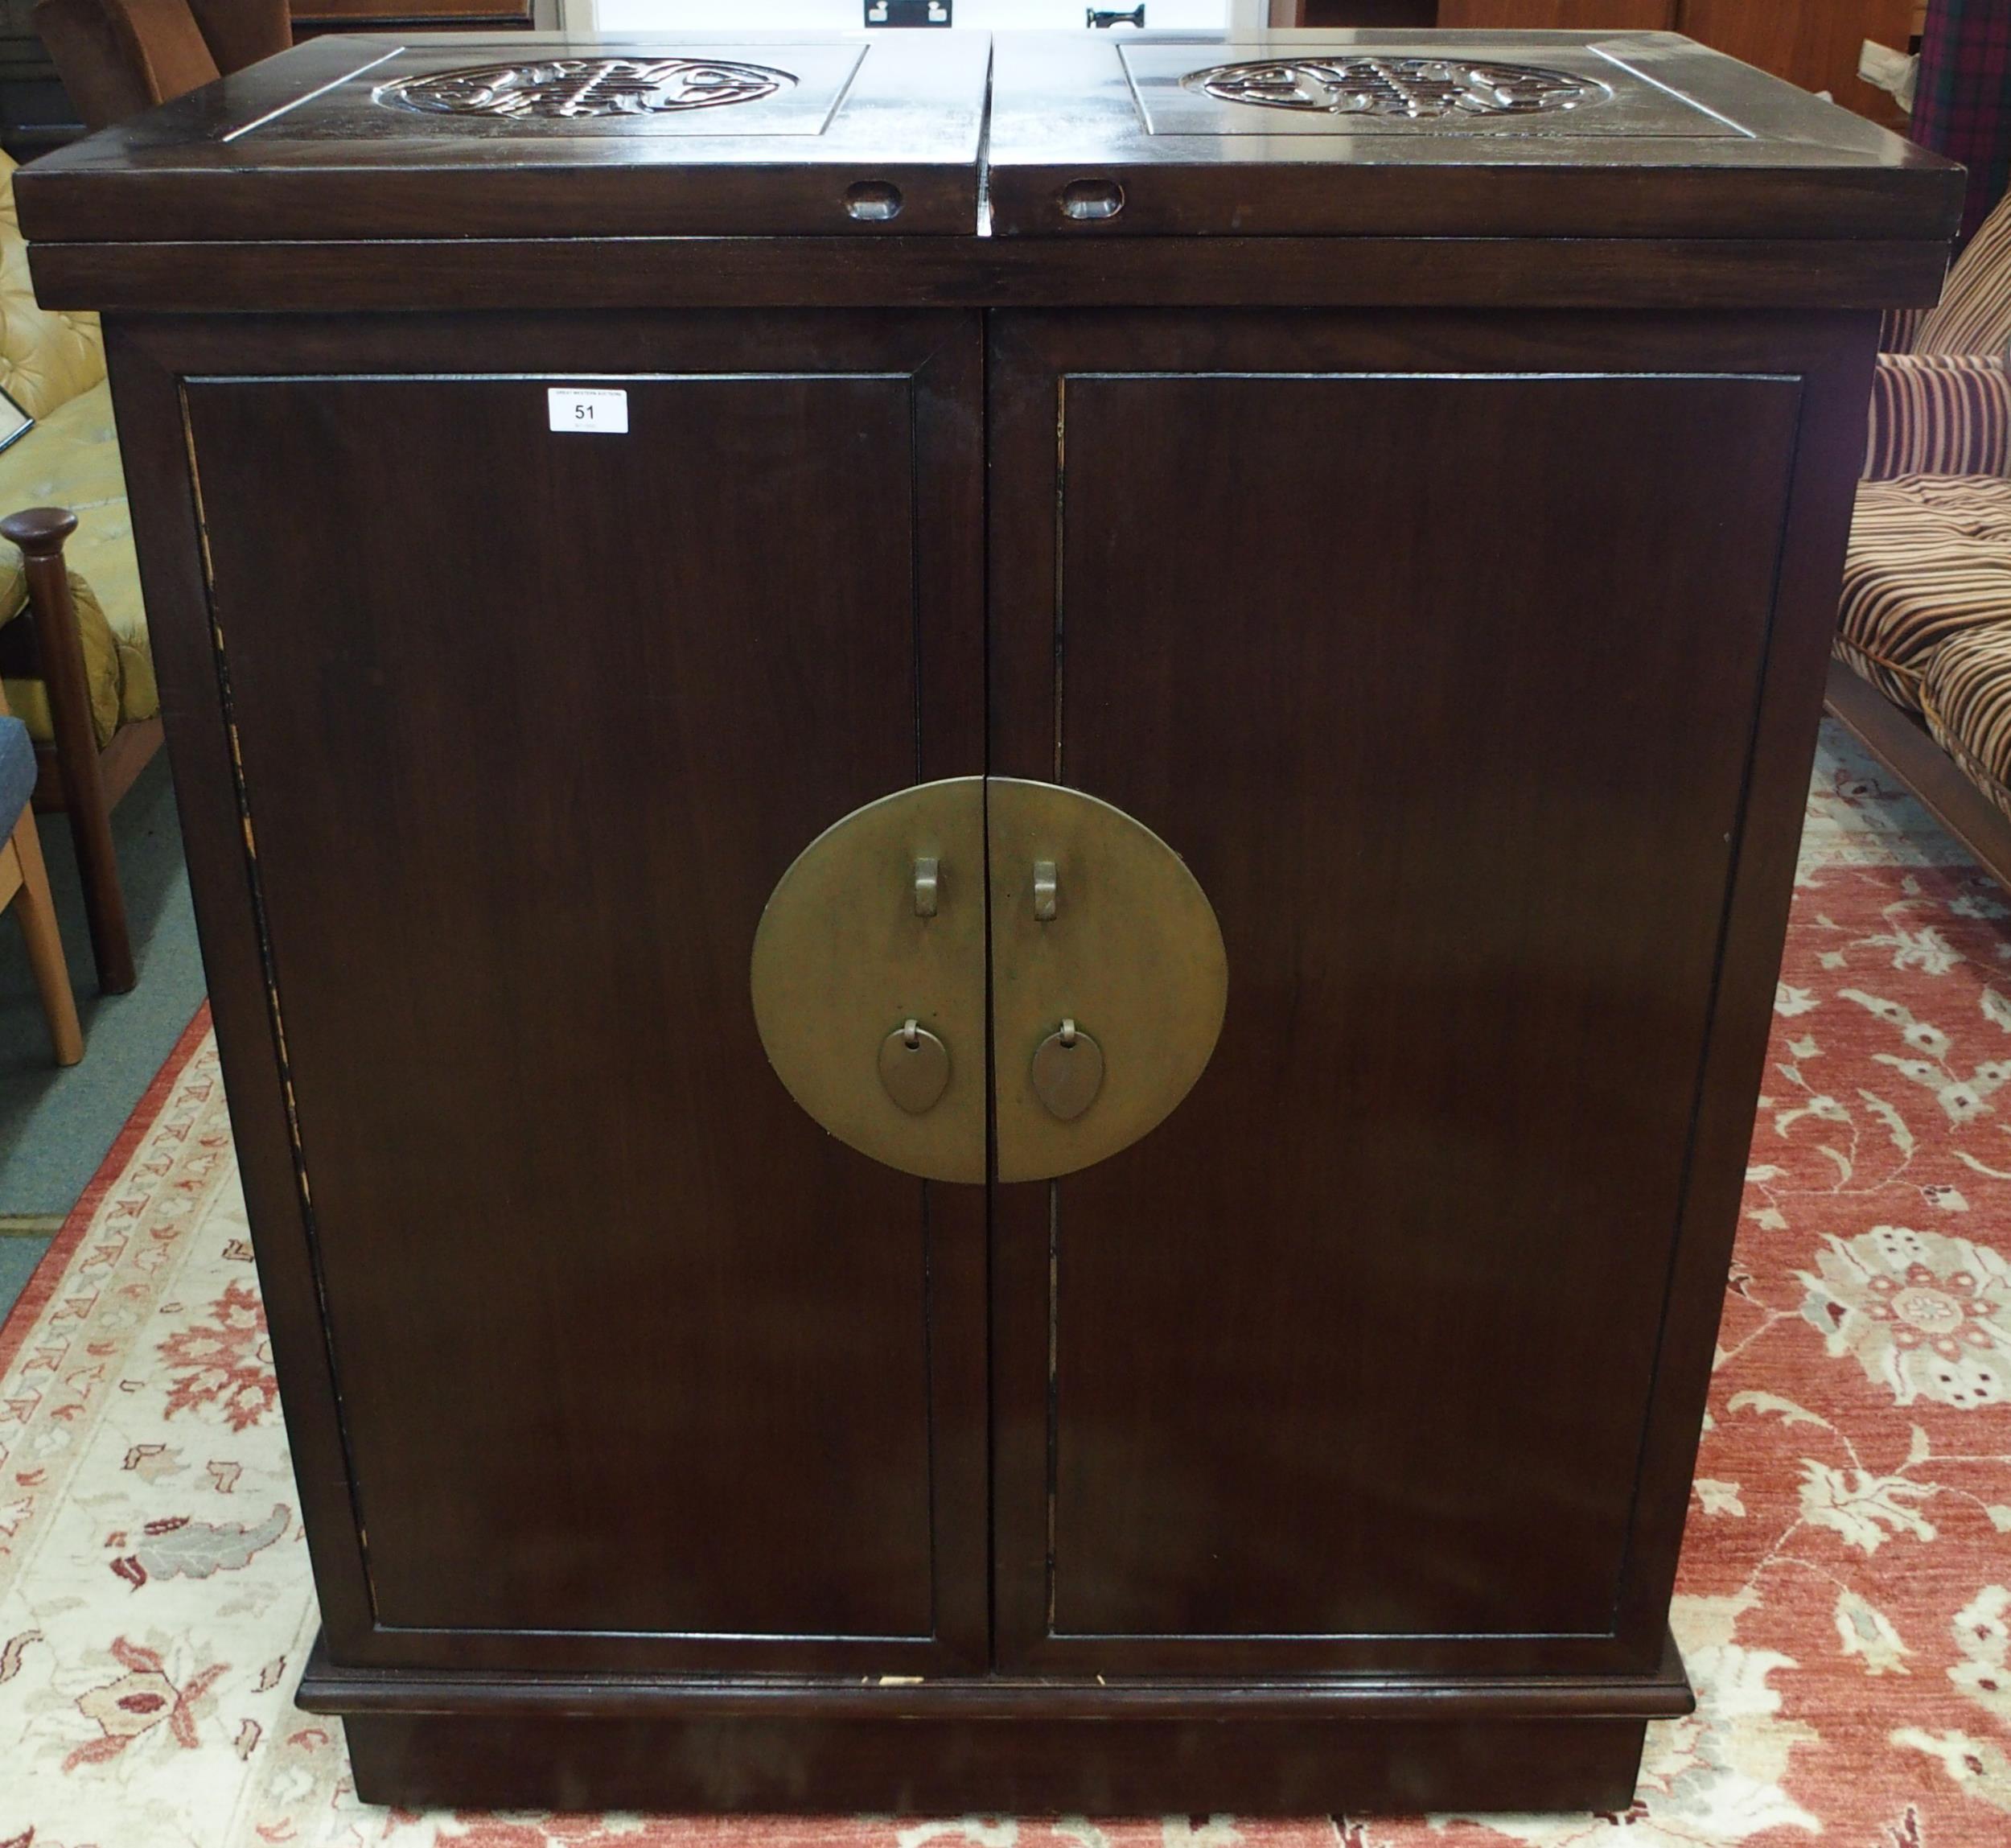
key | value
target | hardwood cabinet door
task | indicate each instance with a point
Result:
(1437, 649)
(634, 1366)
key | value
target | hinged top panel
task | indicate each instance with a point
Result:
(1635, 134)
(486, 170)
(468, 134)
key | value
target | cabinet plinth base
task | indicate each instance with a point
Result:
(1071, 1766)
(508, 1743)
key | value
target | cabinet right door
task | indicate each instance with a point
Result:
(1443, 648)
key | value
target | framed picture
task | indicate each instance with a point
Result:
(14, 423)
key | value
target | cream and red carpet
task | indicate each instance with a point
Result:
(1845, 1602)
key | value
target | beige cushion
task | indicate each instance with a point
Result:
(53, 365)
(71, 459)
(45, 359)
(1930, 559)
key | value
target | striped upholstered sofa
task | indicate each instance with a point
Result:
(1925, 619)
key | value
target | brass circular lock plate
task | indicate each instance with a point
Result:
(1094, 920)
(880, 921)
(872, 950)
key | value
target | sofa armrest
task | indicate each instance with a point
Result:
(1940, 414)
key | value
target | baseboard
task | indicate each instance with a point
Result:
(998, 1745)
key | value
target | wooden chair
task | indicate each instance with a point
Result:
(24, 883)
(75, 655)
(88, 781)
(118, 57)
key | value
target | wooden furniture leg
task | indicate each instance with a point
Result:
(25, 878)
(40, 532)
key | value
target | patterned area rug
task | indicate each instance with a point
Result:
(1844, 1606)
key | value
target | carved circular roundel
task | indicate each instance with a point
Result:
(1419, 88)
(556, 89)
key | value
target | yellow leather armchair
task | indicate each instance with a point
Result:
(74, 656)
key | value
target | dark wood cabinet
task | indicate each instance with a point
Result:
(1289, 569)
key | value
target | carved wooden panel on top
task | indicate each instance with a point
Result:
(574, 88)
(1335, 85)
(617, 88)
(1422, 89)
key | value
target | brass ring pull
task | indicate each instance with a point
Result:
(915, 1066)
(1068, 1071)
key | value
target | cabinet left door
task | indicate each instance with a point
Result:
(493, 738)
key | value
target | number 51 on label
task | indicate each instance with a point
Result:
(598, 413)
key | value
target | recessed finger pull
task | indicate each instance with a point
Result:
(915, 1066)
(872, 201)
(1086, 200)
(1068, 1071)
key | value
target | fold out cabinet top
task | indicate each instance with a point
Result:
(986, 139)
(511, 135)
(1511, 134)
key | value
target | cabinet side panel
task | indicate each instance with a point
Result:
(154, 447)
(1836, 385)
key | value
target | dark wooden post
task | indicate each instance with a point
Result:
(40, 532)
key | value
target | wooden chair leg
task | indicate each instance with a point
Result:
(39, 532)
(35, 907)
